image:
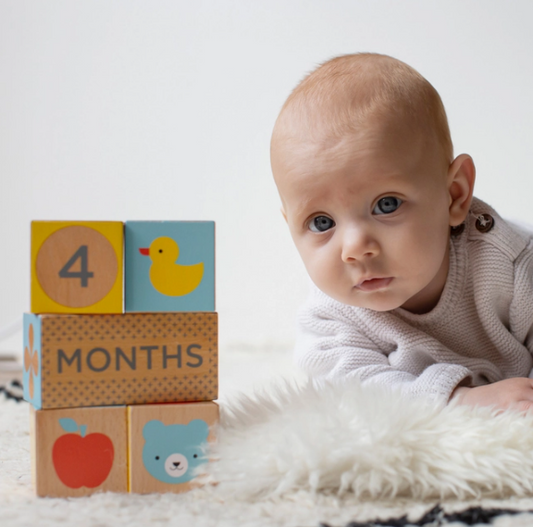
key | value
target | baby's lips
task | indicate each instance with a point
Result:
(373, 284)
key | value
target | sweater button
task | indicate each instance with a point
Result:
(484, 222)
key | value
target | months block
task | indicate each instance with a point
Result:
(135, 358)
(79, 451)
(167, 442)
(170, 266)
(76, 267)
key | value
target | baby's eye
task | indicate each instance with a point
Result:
(387, 205)
(321, 224)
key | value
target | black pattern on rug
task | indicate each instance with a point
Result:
(437, 517)
(12, 390)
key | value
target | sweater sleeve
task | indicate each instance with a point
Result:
(332, 345)
(521, 312)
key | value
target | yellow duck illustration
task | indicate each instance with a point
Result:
(168, 277)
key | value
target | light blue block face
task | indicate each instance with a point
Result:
(169, 266)
(31, 372)
(172, 452)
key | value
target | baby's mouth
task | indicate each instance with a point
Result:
(373, 284)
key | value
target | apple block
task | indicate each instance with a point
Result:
(166, 443)
(79, 451)
(169, 266)
(134, 358)
(76, 266)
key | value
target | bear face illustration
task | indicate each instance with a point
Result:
(171, 452)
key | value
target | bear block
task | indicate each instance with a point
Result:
(167, 443)
(134, 358)
(79, 451)
(76, 267)
(169, 266)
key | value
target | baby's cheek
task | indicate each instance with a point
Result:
(323, 273)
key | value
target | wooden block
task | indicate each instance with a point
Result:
(76, 267)
(135, 358)
(31, 372)
(165, 444)
(170, 266)
(79, 451)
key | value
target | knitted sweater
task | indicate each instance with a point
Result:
(480, 332)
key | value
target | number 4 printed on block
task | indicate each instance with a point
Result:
(83, 274)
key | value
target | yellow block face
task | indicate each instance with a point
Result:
(76, 267)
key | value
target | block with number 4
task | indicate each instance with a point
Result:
(76, 267)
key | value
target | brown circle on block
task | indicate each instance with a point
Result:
(87, 288)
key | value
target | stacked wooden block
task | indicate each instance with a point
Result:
(120, 355)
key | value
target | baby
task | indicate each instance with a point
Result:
(419, 285)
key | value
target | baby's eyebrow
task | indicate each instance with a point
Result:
(304, 209)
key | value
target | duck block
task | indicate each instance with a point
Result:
(169, 266)
(76, 267)
(134, 358)
(76, 452)
(166, 443)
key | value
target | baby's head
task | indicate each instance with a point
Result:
(363, 161)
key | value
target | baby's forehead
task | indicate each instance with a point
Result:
(381, 155)
(327, 143)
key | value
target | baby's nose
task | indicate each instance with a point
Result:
(358, 244)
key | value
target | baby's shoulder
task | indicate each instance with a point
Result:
(489, 235)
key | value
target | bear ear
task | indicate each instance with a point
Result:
(153, 430)
(199, 428)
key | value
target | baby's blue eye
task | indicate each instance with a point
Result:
(321, 224)
(387, 205)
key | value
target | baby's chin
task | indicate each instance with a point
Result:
(377, 301)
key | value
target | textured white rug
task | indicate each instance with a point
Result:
(299, 457)
(369, 443)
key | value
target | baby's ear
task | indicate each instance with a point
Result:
(461, 178)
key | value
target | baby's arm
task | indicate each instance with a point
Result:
(514, 393)
(333, 344)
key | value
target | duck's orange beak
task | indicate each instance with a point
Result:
(144, 251)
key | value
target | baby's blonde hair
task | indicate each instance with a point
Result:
(343, 93)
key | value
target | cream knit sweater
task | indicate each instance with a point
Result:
(480, 332)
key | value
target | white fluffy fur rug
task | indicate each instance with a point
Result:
(300, 456)
(369, 443)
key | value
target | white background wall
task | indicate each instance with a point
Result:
(128, 109)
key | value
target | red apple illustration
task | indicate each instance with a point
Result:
(82, 460)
